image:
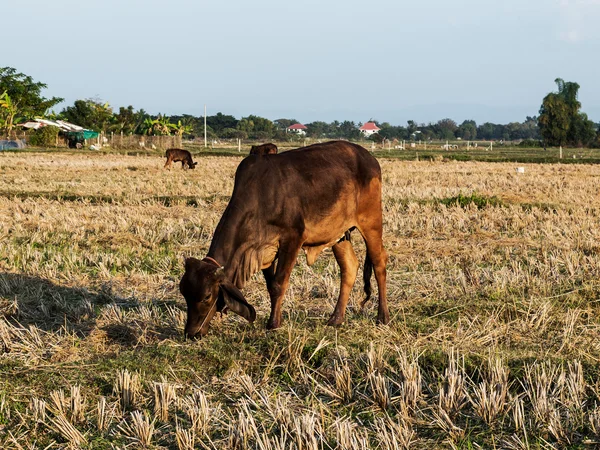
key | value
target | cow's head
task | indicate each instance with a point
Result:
(206, 291)
(193, 165)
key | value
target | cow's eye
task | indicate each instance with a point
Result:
(207, 297)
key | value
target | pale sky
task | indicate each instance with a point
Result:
(389, 60)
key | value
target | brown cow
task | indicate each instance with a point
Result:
(263, 149)
(306, 198)
(177, 154)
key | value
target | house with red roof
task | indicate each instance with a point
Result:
(369, 128)
(297, 128)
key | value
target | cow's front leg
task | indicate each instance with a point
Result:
(286, 259)
(269, 274)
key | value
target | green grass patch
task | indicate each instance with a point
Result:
(464, 201)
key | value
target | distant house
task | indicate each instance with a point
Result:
(369, 128)
(297, 128)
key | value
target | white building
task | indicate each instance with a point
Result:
(297, 128)
(369, 128)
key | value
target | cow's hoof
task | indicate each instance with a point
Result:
(273, 325)
(383, 319)
(335, 321)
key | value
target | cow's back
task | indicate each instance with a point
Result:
(178, 154)
(304, 184)
(313, 167)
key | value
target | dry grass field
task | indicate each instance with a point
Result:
(494, 294)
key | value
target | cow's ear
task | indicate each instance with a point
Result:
(189, 263)
(236, 302)
(196, 163)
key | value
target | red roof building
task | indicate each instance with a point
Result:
(369, 128)
(297, 128)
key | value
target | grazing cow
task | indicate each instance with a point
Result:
(308, 198)
(177, 154)
(264, 149)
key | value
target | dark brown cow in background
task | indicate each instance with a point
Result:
(308, 198)
(177, 154)
(264, 149)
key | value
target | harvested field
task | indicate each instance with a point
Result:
(494, 292)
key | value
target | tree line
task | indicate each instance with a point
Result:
(560, 121)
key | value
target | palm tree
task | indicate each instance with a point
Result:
(568, 91)
(8, 112)
(182, 128)
(157, 127)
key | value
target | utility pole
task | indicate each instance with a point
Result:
(205, 144)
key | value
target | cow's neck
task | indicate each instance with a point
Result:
(236, 246)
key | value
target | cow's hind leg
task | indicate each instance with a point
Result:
(286, 259)
(346, 258)
(370, 225)
(377, 254)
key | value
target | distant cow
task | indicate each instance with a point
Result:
(177, 154)
(264, 149)
(309, 199)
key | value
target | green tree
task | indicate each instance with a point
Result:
(256, 127)
(181, 128)
(127, 120)
(348, 130)
(560, 121)
(486, 131)
(246, 125)
(282, 124)
(8, 112)
(582, 131)
(233, 133)
(161, 126)
(446, 128)
(411, 128)
(392, 132)
(467, 130)
(596, 142)
(220, 121)
(376, 137)
(44, 137)
(530, 128)
(263, 126)
(25, 96)
(317, 129)
(91, 114)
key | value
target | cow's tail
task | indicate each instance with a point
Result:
(367, 272)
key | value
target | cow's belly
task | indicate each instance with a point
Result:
(326, 227)
(326, 236)
(323, 235)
